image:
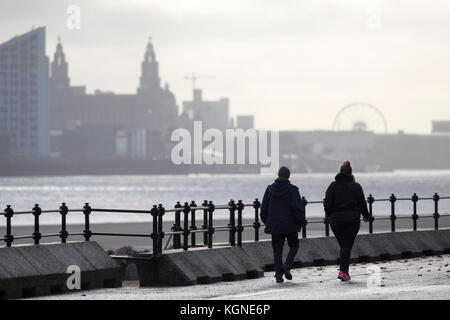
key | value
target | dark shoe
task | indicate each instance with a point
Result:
(286, 272)
(279, 279)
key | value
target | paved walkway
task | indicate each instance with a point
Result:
(420, 278)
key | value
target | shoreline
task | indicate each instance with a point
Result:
(207, 173)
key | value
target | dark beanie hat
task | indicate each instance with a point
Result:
(346, 167)
(284, 173)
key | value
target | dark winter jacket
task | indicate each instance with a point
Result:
(282, 209)
(344, 199)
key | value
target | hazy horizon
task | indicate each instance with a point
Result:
(293, 65)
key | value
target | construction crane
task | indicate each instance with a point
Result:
(194, 78)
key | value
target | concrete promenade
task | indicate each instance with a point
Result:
(418, 278)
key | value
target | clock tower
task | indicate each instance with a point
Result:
(149, 71)
(59, 70)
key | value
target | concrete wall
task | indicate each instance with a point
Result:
(34, 270)
(200, 266)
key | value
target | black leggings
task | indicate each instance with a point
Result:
(345, 233)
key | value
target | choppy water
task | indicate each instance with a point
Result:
(141, 192)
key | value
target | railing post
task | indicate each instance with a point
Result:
(154, 236)
(87, 231)
(436, 211)
(186, 231)
(305, 203)
(370, 201)
(193, 225)
(8, 213)
(393, 217)
(240, 208)
(232, 224)
(414, 216)
(36, 213)
(177, 227)
(161, 212)
(326, 221)
(210, 224)
(205, 223)
(63, 234)
(256, 224)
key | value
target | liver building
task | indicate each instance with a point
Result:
(133, 125)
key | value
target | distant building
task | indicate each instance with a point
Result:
(213, 114)
(321, 151)
(24, 94)
(441, 126)
(245, 122)
(151, 113)
(89, 143)
(411, 151)
(4, 145)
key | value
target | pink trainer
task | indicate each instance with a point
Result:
(343, 276)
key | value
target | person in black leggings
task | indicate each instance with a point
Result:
(344, 204)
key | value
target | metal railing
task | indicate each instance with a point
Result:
(182, 233)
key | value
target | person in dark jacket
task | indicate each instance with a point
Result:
(283, 213)
(344, 204)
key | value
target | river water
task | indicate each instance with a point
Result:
(141, 192)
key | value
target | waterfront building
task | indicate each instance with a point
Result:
(213, 114)
(24, 95)
(150, 114)
(441, 127)
(245, 122)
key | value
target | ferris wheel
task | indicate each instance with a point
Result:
(360, 116)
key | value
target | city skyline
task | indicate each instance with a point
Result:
(306, 61)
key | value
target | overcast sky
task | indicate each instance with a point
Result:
(293, 64)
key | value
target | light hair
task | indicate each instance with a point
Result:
(346, 167)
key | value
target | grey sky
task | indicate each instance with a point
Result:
(293, 64)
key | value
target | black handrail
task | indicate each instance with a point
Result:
(207, 228)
